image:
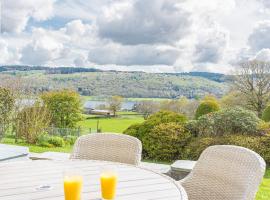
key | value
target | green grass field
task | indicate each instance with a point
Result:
(264, 191)
(116, 125)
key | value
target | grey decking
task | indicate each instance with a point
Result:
(12, 153)
(19, 181)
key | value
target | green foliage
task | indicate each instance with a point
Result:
(70, 139)
(227, 121)
(206, 107)
(64, 106)
(43, 140)
(259, 144)
(266, 114)
(263, 128)
(31, 122)
(7, 103)
(46, 140)
(142, 131)
(56, 141)
(133, 130)
(166, 141)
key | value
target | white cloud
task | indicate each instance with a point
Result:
(260, 37)
(144, 22)
(133, 55)
(263, 55)
(42, 49)
(161, 35)
(16, 13)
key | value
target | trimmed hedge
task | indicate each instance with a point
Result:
(206, 107)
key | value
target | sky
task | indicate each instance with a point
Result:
(135, 35)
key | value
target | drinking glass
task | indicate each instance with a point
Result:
(108, 181)
(72, 185)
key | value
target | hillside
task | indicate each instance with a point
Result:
(127, 84)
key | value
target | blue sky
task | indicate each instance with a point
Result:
(145, 35)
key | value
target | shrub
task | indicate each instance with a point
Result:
(43, 140)
(142, 131)
(228, 121)
(166, 141)
(266, 114)
(50, 141)
(56, 141)
(70, 139)
(133, 130)
(31, 122)
(206, 107)
(263, 128)
(259, 144)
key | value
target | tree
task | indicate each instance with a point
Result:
(64, 106)
(253, 81)
(146, 108)
(7, 103)
(32, 122)
(233, 99)
(206, 107)
(115, 104)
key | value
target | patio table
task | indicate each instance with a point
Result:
(36, 180)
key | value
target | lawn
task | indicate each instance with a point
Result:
(111, 124)
(264, 191)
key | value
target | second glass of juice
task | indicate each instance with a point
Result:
(72, 185)
(108, 181)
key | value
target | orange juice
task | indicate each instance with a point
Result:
(73, 187)
(108, 182)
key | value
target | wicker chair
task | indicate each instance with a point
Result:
(225, 172)
(109, 147)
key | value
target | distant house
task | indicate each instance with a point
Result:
(92, 111)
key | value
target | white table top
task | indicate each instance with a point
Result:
(22, 180)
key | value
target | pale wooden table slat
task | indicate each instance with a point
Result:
(19, 181)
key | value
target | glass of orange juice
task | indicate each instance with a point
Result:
(108, 181)
(72, 185)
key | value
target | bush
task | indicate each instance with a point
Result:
(31, 122)
(43, 140)
(266, 114)
(142, 131)
(70, 139)
(56, 141)
(206, 107)
(263, 128)
(46, 140)
(228, 121)
(166, 141)
(259, 144)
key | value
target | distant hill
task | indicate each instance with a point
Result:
(48, 70)
(92, 82)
